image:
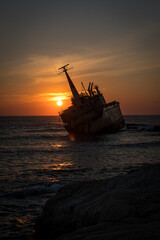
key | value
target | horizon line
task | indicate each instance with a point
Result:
(59, 116)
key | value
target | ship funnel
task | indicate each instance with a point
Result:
(72, 87)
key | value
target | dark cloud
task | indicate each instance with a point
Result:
(117, 39)
(56, 28)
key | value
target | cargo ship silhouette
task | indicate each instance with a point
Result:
(89, 112)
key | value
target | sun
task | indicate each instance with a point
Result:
(59, 103)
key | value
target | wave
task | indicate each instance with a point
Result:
(139, 145)
(43, 149)
(35, 136)
(142, 127)
(45, 130)
(53, 170)
(34, 191)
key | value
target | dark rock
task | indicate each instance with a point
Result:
(156, 128)
(124, 207)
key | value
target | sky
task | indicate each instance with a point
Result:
(113, 43)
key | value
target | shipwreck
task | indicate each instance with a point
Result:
(89, 112)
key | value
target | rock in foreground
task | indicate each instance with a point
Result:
(124, 207)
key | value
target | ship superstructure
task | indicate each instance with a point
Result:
(89, 112)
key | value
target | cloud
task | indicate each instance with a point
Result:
(42, 97)
(53, 96)
(129, 54)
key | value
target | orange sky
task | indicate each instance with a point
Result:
(114, 45)
(135, 87)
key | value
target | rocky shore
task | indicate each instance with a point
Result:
(124, 207)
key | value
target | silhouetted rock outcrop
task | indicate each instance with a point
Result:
(156, 128)
(124, 207)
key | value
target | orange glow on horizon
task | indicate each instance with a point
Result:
(31, 105)
(48, 104)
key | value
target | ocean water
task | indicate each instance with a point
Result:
(37, 157)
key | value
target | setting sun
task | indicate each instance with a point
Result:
(59, 103)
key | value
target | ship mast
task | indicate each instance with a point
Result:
(72, 87)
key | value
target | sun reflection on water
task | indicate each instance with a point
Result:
(58, 144)
(53, 179)
(56, 168)
(61, 166)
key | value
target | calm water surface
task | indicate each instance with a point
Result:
(37, 157)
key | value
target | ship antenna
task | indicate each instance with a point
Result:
(84, 88)
(72, 87)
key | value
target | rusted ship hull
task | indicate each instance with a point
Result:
(108, 120)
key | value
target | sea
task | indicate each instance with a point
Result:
(38, 157)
